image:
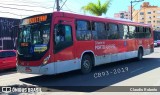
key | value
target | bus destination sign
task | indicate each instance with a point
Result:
(34, 19)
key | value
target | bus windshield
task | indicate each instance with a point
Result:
(33, 40)
(35, 34)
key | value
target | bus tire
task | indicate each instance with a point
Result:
(86, 64)
(140, 54)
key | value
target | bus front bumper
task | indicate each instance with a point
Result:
(42, 70)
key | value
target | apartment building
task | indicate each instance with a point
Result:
(148, 14)
(124, 14)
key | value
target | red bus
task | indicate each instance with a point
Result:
(59, 42)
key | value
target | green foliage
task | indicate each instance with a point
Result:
(97, 8)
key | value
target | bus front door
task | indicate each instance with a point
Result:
(63, 48)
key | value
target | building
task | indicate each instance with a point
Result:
(124, 14)
(148, 14)
(9, 28)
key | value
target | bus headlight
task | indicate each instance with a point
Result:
(45, 61)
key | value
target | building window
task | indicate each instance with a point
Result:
(149, 17)
(148, 21)
(158, 16)
(158, 21)
(142, 18)
(154, 21)
(149, 12)
(121, 15)
(158, 12)
(154, 16)
(154, 11)
(141, 13)
(141, 22)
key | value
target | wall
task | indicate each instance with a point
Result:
(9, 28)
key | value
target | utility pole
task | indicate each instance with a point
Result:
(131, 9)
(58, 7)
(133, 6)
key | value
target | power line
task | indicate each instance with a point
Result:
(27, 5)
(67, 8)
(21, 9)
(28, 1)
(137, 13)
(63, 4)
(135, 4)
(13, 13)
(54, 5)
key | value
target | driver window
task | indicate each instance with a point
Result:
(63, 33)
(62, 37)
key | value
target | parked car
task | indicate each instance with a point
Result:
(158, 42)
(155, 43)
(7, 59)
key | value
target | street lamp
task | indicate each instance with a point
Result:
(132, 6)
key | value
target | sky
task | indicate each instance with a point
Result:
(24, 8)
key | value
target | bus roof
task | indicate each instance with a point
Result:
(96, 18)
(100, 18)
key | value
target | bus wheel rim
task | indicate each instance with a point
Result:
(86, 64)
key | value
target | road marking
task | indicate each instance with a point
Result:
(137, 70)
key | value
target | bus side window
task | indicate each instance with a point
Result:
(147, 32)
(121, 31)
(83, 30)
(126, 32)
(141, 32)
(113, 31)
(136, 34)
(63, 34)
(132, 30)
(94, 32)
(68, 34)
(63, 37)
(99, 31)
(59, 33)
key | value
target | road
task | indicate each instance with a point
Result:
(123, 73)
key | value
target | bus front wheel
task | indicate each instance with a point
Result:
(86, 64)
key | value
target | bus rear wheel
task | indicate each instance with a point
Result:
(86, 64)
(140, 55)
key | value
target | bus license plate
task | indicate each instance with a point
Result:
(28, 69)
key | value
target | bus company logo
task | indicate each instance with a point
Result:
(102, 46)
(6, 89)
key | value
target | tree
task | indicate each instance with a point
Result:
(97, 8)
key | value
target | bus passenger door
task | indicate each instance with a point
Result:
(63, 46)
